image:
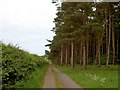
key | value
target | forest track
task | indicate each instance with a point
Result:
(56, 79)
(49, 81)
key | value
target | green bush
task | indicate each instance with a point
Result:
(17, 64)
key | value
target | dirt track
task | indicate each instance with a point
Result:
(56, 79)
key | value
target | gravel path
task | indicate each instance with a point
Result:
(56, 79)
(49, 81)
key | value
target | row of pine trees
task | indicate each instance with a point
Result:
(86, 33)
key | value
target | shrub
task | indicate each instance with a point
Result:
(17, 64)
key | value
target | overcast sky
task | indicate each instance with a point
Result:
(27, 23)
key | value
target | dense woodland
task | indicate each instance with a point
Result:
(86, 33)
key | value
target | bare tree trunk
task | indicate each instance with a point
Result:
(99, 58)
(66, 56)
(94, 48)
(102, 47)
(84, 56)
(69, 54)
(99, 43)
(107, 41)
(117, 47)
(96, 58)
(87, 51)
(81, 53)
(113, 44)
(98, 52)
(109, 35)
(107, 47)
(84, 61)
(72, 61)
(61, 59)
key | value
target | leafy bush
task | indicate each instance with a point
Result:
(17, 64)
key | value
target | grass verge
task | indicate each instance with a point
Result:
(35, 80)
(93, 77)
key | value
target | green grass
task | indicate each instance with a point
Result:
(93, 77)
(35, 80)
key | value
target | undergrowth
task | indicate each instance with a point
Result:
(93, 77)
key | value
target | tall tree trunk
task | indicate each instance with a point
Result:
(99, 43)
(107, 41)
(96, 58)
(66, 59)
(93, 49)
(72, 61)
(113, 44)
(117, 47)
(69, 54)
(61, 59)
(99, 58)
(81, 53)
(84, 61)
(84, 56)
(90, 48)
(87, 49)
(109, 34)
(107, 47)
(102, 49)
(97, 51)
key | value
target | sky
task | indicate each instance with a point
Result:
(27, 23)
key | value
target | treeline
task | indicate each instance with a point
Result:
(17, 64)
(86, 33)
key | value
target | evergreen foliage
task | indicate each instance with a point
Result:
(85, 32)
